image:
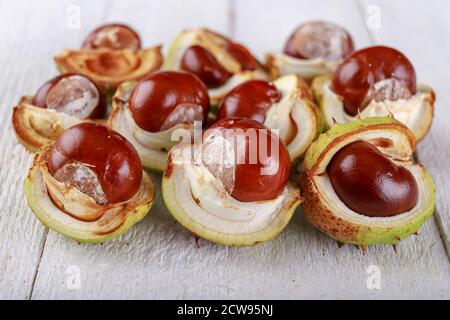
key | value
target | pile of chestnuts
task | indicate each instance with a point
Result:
(240, 143)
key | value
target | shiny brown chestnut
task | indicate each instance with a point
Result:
(98, 161)
(249, 182)
(251, 99)
(319, 39)
(202, 63)
(376, 73)
(113, 36)
(242, 55)
(72, 94)
(165, 99)
(369, 183)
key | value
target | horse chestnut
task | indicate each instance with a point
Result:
(251, 99)
(241, 54)
(319, 39)
(165, 99)
(98, 161)
(261, 165)
(369, 183)
(376, 73)
(72, 94)
(113, 36)
(202, 63)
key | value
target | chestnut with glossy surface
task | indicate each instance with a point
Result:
(113, 36)
(375, 73)
(251, 99)
(255, 178)
(72, 94)
(238, 51)
(242, 55)
(319, 39)
(165, 99)
(369, 183)
(202, 63)
(88, 147)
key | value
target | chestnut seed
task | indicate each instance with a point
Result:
(376, 73)
(167, 98)
(113, 36)
(98, 161)
(371, 184)
(261, 164)
(319, 39)
(251, 99)
(72, 94)
(242, 55)
(202, 63)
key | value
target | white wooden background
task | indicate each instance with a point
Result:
(158, 258)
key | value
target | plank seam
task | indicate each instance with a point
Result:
(107, 12)
(232, 18)
(361, 5)
(30, 295)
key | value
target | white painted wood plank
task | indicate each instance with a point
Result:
(159, 22)
(31, 33)
(159, 259)
(421, 30)
(266, 25)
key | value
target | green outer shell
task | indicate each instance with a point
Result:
(177, 211)
(323, 217)
(135, 215)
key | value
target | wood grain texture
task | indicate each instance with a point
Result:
(158, 258)
(420, 29)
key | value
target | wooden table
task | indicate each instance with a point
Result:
(158, 258)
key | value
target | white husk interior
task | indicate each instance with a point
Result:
(410, 112)
(78, 206)
(205, 39)
(151, 146)
(205, 200)
(306, 68)
(292, 106)
(238, 78)
(46, 119)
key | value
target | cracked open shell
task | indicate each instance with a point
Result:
(281, 64)
(200, 202)
(296, 116)
(108, 68)
(324, 209)
(152, 147)
(76, 215)
(215, 44)
(35, 126)
(416, 112)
